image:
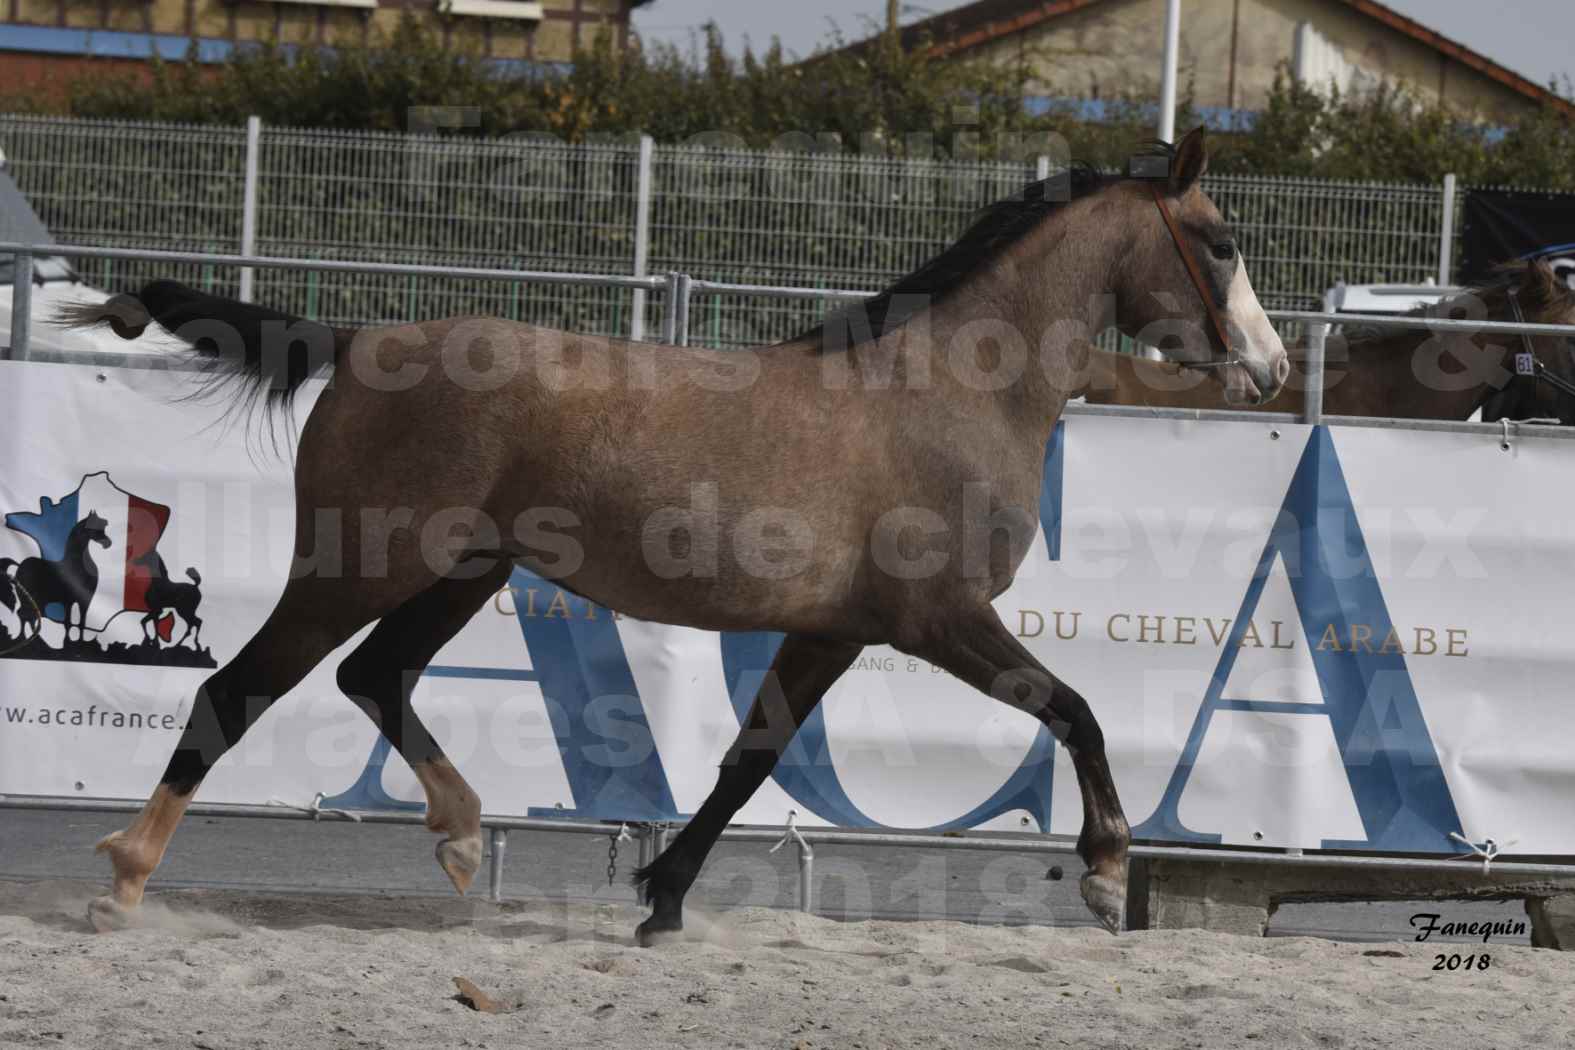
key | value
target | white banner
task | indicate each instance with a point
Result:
(1292, 636)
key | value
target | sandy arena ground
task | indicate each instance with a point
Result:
(218, 970)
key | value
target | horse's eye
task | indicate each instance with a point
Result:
(1224, 251)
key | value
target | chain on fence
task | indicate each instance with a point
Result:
(811, 219)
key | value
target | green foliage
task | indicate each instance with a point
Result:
(365, 89)
(1389, 135)
(881, 99)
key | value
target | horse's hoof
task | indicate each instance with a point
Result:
(1106, 897)
(657, 927)
(106, 915)
(461, 860)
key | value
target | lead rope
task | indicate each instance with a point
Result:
(1526, 361)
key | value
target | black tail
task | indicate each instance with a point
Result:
(194, 576)
(270, 352)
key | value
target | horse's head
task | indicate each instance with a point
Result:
(94, 528)
(1545, 297)
(1181, 286)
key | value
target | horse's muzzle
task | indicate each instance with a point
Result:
(1251, 382)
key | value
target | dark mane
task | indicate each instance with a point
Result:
(1534, 300)
(995, 229)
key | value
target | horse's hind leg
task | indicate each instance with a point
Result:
(314, 615)
(380, 676)
(980, 650)
(803, 670)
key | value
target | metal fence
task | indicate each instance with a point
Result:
(527, 203)
(680, 292)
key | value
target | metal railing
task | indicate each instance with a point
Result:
(533, 203)
(679, 291)
(652, 838)
(22, 274)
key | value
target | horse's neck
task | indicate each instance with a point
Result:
(1389, 377)
(999, 351)
(79, 551)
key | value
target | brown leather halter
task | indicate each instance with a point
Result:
(1220, 333)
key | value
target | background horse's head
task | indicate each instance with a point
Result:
(93, 528)
(1545, 298)
(1167, 279)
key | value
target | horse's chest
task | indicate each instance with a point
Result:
(986, 517)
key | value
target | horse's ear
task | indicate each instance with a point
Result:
(1191, 161)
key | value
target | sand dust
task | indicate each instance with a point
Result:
(217, 971)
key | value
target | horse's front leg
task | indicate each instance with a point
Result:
(803, 670)
(978, 648)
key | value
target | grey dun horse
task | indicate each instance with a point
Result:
(877, 480)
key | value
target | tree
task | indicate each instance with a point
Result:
(882, 98)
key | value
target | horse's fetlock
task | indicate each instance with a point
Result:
(460, 817)
(130, 857)
(1103, 842)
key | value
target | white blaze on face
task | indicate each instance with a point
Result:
(1261, 348)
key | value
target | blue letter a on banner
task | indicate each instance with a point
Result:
(614, 770)
(1369, 699)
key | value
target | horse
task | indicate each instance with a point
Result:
(1399, 372)
(873, 481)
(8, 598)
(167, 595)
(70, 581)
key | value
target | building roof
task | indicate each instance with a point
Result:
(984, 21)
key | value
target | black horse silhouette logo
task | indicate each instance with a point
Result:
(167, 596)
(70, 580)
(97, 559)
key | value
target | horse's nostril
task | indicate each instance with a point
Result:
(1282, 369)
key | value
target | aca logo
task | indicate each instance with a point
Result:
(98, 590)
